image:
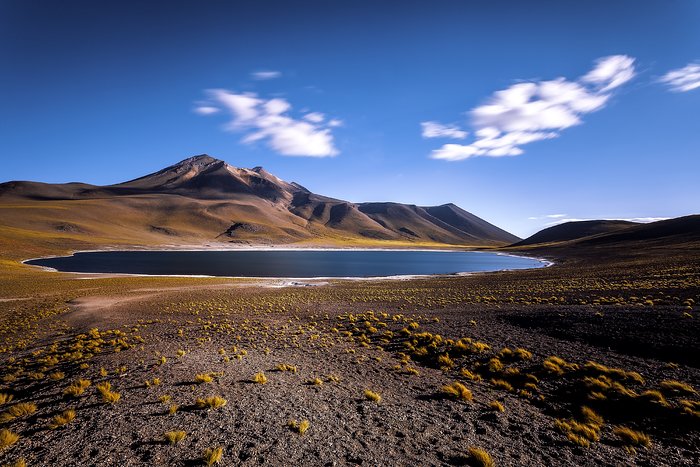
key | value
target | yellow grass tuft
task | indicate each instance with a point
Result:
(214, 402)
(458, 391)
(260, 378)
(172, 410)
(5, 398)
(213, 456)
(372, 396)
(174, 437)
(631, 439)
(677, 386)
(480, 457)
(108, 396)
(203, 378)
(7, 438)
(316, 382)
(21, 409)
(62, 419)
(502, 384)
(497, 406)
(18, 463)
(286, 367)
(299, 427)
(470, 375)
(77, 388)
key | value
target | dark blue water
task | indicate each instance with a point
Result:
(292, 264)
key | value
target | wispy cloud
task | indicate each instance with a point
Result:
(269, 121)
(205, 110)
(438, 130)
(547, 216)
(683, 79)
(538, 110)
(265, 75)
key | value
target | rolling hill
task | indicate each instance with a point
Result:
(202, 199)
(587, 237)
(574, 230)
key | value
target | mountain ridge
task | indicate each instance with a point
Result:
(205, 198)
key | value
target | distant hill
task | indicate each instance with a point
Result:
(574, 230)
(204, 199)
(680, 233)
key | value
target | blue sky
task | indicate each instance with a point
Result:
(333, 95)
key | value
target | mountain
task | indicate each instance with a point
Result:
(203, 199)
(600, 236)
(573, 230)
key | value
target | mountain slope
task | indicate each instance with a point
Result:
(574, 230)
(203, 199)
(667, 238)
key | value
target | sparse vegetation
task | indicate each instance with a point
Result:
(174, 437)
(479, 457)
(62, 419)
(22, 409)
(372, 396)
(214, 402)
(7, 438)
(213, 456)
(299, 427)
(457, 391)
(260, 378)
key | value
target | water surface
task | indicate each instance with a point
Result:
(286, 263)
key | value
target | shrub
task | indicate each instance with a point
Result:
(77, 388)
(214, 402)
(108, 396)
(7, 438)
(62, 419)
(18, 410)
(286, 367)
(213, 456)
(260, 378)
(677, 386)
(497, 406)
(631, 439)
(457, 391)
(372, 396)
(174, 437)
(502, 384)
(479, 457)
(203, 378)
(299, 427)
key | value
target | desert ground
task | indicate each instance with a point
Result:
(592, 361)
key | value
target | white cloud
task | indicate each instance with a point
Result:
(611, 72)
(205, 110)
(547, 216)
(314, 117)
(683, 79)
(334, 122)
(438, 130)
(535, 111)
(265, 75)
(268, 120)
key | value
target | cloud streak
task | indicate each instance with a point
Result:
(538, 110)
(269, 121)
(683, 79)
(438, 130)
(265, 75)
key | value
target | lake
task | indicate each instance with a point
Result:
(286, 263)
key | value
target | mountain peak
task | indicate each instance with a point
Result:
(198, 160)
